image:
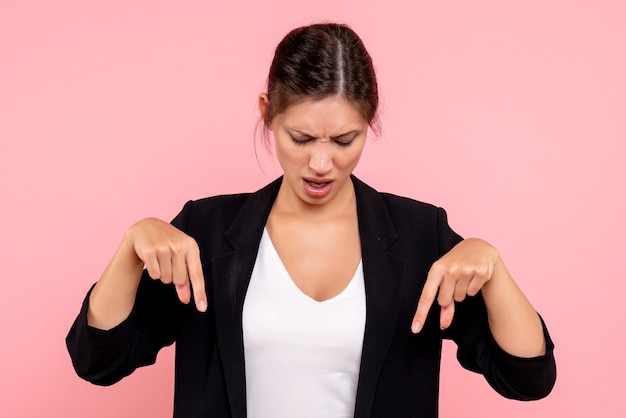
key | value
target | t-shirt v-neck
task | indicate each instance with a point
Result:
(302, 356)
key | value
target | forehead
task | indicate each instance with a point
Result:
(331, 116)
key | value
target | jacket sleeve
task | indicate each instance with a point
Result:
(104, 357)
(513, 377)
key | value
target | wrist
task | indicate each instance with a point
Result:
(499, 280)
(126, 257)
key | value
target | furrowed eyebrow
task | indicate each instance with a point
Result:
(304, 134)
(355, 133)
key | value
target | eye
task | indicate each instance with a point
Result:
(299, 141)
(343, 142)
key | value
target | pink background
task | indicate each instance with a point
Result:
(511, 116)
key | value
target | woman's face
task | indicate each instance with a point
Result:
(318, 145)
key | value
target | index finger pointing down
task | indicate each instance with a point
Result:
(196, 277)
(429, 292)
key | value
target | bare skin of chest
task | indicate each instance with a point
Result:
(320, 257)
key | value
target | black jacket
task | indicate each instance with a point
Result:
(399, 376)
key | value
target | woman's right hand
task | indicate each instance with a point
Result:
(168, 254)
(171, 256)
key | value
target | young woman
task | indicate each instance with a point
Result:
(316, 296)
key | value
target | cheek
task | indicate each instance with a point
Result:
(289, 157)
(281, 151)
(349, 160)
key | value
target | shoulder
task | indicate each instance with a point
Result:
(219, 212)
(212, 206)
(400, 208)
(403, 220)
(220, 203)
(403, 204)
(413, 218)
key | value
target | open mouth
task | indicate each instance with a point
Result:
(316, 185)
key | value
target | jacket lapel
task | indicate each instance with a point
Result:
(383, 273)
(231, 276)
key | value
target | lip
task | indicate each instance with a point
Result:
(314, 191)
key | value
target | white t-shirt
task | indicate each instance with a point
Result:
(302, 356)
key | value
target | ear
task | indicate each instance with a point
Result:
(263, 104)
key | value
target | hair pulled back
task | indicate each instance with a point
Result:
(319, 61)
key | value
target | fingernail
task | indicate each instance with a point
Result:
(202, 306)
(416, 327)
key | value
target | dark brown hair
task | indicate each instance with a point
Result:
(320, 61)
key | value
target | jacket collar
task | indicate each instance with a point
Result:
(248, 225)
(383, 272)
(375, 225)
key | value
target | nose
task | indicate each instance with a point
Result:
(321, 158)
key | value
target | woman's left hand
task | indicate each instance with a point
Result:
(461, 272)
